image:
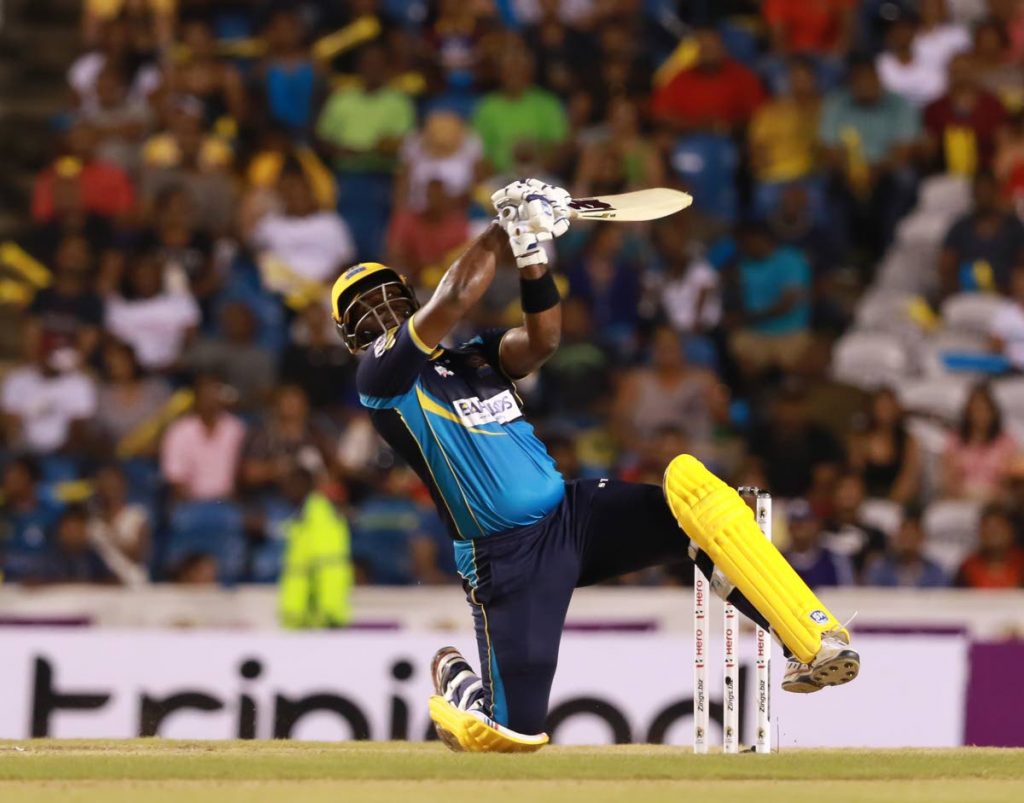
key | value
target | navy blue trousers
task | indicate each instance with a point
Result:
(525, 578)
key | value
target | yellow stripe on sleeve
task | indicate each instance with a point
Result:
(416, 338)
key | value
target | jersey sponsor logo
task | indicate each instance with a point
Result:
(498, 409)
(443, 372)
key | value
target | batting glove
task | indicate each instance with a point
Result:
(544, 208)
(526, 244)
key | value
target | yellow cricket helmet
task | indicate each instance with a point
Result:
(361, 320)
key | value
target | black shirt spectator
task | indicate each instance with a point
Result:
(236, 357)
(577, 379)
(185, 251)
(74, 559)
(286, 439)
(69, 313)
(800, 458)
(845, 533)
(982, 247)
(25, 521)
(316, 361)
(884, 451)
(564, 53)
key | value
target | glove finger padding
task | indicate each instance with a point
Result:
(525, 245)
(515, 192)
(559, 199)
(562, 220)
(507, 212)
(540, 217)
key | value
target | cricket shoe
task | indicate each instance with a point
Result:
(455, 681)
(836, 663)
(475, 732)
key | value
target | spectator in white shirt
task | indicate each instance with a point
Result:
(938, 38)
(200, 452)
(46, 403)
(918, 53)
(904, 71)
(446, 150)
(302, 244)
(156, 323)
(1007, 330)
(115, 47)
(689, 290)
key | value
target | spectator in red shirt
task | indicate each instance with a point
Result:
(716, 93)
(819, 27)
(962, 125)
(1008, 160)
(104, 188)
(998, 561)
(417, 240)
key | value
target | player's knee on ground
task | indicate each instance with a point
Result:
(715, 516)
(525, 693)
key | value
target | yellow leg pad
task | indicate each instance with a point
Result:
(716, 517)
(476, 733)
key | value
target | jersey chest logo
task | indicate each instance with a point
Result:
(383, 343)
(500, 409)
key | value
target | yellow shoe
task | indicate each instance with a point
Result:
(474, 732)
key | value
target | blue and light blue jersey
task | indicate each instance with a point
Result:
(457, 420)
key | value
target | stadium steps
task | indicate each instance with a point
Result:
(38, 41)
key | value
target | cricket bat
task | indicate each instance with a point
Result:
(631, 206)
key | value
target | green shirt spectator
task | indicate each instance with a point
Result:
(518, 112)
(364, 125)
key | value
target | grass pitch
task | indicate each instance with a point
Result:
(157, 771)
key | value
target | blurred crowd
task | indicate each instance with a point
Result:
(179, 408)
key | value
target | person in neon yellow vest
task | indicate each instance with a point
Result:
(317, 575)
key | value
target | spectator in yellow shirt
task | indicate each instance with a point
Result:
(783, 136)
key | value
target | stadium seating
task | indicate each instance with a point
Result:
(708, 164)
(936, 354)
(885, 311)
(207, 528)
(971, 312)
(883, 514)
(869, 360)
(267, 556)
(945, 193)
(951, 527)
(940, 398)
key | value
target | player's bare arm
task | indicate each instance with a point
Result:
(526, 348)
(462, 286)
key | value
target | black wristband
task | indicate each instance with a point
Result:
(538, 295)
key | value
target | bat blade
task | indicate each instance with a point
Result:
(631, 206)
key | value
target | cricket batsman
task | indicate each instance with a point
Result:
(524, 538)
